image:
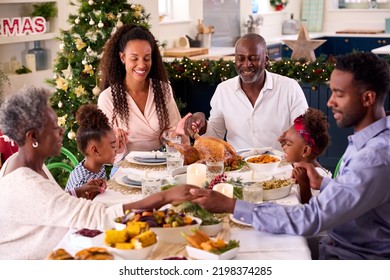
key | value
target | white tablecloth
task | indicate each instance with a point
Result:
(253, 244)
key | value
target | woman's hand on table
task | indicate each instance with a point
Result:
(212, 201)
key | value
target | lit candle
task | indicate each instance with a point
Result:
(224, 188)
(196, 174)
(30, 62)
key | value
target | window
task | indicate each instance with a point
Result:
(364, 4)
(173, 9)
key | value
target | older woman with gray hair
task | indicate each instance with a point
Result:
(35, 213)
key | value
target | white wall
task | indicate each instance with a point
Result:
(338, 19)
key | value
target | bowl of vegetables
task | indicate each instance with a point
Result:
(167, 224)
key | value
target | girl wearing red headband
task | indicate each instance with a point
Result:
(305, 141)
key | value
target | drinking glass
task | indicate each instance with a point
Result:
(252, 192)
(150, 186)
(169, 135)
(174, 160)
(214, 168)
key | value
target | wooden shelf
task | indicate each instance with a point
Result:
(24, 1)
(27, 38)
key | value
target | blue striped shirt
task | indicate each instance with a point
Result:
(80, 176)
(354, 207)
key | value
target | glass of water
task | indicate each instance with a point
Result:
(252, 192)
(170, 135)
(214, 168)
(150, 186)
(174, 160)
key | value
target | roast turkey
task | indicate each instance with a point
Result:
(208, 148)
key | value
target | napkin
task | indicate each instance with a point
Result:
(148, 157)
(130, 181)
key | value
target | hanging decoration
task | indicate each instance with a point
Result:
(278, 5)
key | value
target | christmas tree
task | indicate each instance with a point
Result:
(76, 77)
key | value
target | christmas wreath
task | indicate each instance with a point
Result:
(278, 5)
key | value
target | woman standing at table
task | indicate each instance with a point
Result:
(137, 99)
(35, 213)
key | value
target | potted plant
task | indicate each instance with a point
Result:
(46, 10)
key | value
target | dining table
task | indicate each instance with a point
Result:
(253, 244)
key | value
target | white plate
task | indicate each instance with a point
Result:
(200, 254)
(238, 221)
(131, 155)
(119, 180)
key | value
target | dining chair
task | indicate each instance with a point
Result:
(336, 170)
(7, 148)
(68, 168)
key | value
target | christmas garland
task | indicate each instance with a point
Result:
(215, 71)
(278, 4)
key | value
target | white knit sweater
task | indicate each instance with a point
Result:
(35, 214)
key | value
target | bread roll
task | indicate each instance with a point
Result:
(94, 253)
(60, 254)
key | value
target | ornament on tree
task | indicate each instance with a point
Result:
(91, 22)
(67, 72)
(84, 62)
(96, 91)
(100, 24)
(77, 21)
(119, 24)
(90, 2)
(60, 104)
(62, 46)
(71, 135)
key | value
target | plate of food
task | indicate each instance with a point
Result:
(136, 242)
(276, 188)
(166, 223)
(147, 158)
(231, 217)
(202, 247)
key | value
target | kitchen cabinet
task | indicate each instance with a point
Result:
(339, 45)
(275, 51)
(15, 47)
(342, 45)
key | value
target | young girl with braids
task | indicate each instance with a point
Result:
(97, 142)
(305, 141)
